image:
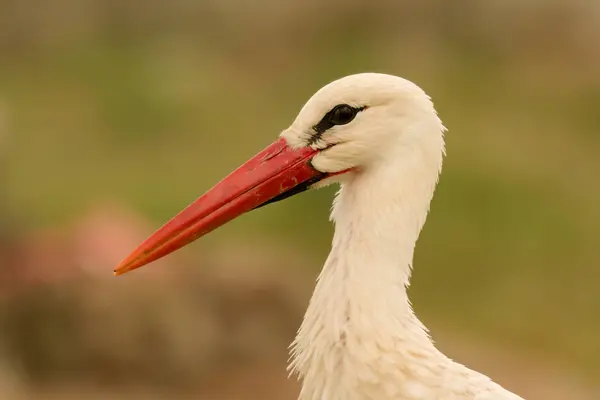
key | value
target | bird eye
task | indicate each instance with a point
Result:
(342, 114)
(339, 115)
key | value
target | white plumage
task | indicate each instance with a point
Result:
(360, 338)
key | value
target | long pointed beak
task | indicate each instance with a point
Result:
(275, 173)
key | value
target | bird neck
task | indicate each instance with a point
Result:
(359, 316)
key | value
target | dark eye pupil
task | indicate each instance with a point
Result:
(342, 115)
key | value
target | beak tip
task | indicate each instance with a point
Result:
(118, 271)
(122, 268)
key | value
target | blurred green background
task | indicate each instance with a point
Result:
(114, 115)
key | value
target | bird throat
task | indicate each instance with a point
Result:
(359, 319)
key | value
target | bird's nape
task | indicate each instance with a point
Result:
(275, 173)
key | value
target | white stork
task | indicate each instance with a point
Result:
(379, 136)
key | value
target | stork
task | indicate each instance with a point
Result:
(380, 138)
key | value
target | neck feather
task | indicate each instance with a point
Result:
(360, 338)
(359, 317)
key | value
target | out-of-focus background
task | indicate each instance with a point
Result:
(116, 114)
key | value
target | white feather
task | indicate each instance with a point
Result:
(360, 338)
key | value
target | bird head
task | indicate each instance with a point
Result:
(350, 125)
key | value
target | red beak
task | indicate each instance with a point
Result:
(273, 174)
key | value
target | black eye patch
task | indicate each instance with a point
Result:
(341, 114)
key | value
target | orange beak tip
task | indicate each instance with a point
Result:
(123, 268)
